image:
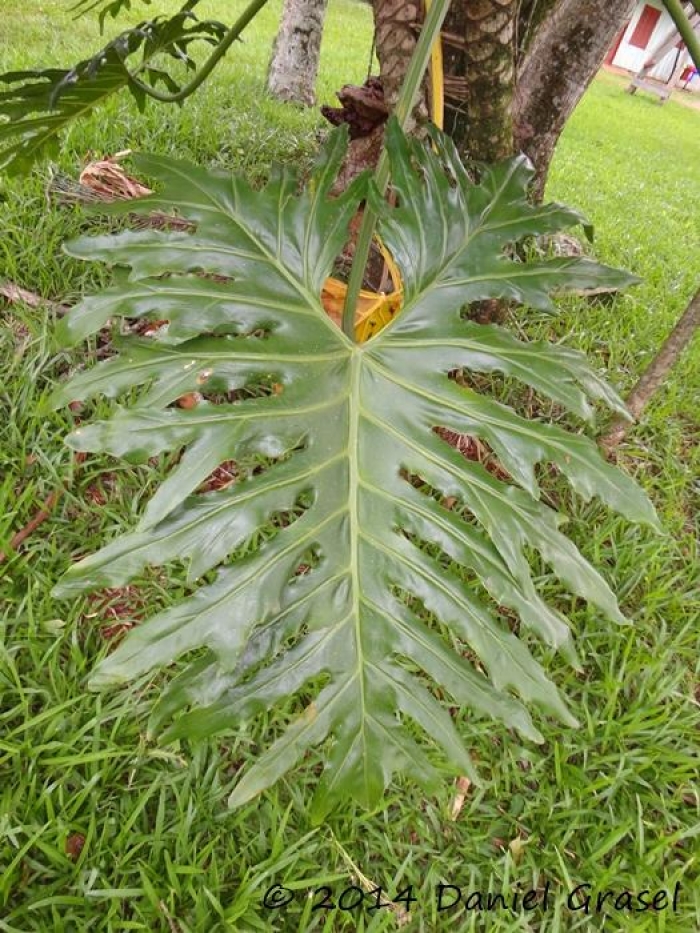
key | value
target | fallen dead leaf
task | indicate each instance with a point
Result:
(474, 449)
(121, 607)
(189, 400)
(463, 785)
(517, 847)
(74, 845)
(13, 294)
(109, 180)
(226, 474)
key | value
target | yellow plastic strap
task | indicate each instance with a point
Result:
(437, 81)
(376, 310)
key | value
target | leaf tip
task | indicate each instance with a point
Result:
(240, 795)
(106, 676)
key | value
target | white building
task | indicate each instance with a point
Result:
(648, 28)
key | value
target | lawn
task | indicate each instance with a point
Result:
(102, 830)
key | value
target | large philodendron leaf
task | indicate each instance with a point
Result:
(367, 587)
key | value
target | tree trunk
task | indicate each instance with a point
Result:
(478, 41)
(295, 56)
(561, 61)
(657, 371)
(514, 71)
(531, 15)
(480, 77)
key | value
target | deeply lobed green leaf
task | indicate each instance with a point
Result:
(371, 588)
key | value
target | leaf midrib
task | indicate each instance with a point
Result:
(354, 413)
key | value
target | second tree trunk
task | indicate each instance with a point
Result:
(295, 56)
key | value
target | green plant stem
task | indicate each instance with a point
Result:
(203, 73)
(680, 18)
(404, 106)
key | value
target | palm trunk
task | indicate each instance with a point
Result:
(480, 77)
(396, 32)
(514, 71)
(295, 56)
(479, 53)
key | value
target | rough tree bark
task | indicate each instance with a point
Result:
(480, 77)
(295, 56)
(566, 52)
(514, 71)
(530, 16)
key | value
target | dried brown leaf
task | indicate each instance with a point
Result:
(74, 845)
(463, 785)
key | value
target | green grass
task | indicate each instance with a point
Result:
(614, 804)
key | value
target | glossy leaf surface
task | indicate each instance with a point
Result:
(367, 590)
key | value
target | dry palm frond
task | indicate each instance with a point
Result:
(103, 181)
(13, 294)
(109, 180)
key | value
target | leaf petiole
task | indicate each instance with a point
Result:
(404, 105)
